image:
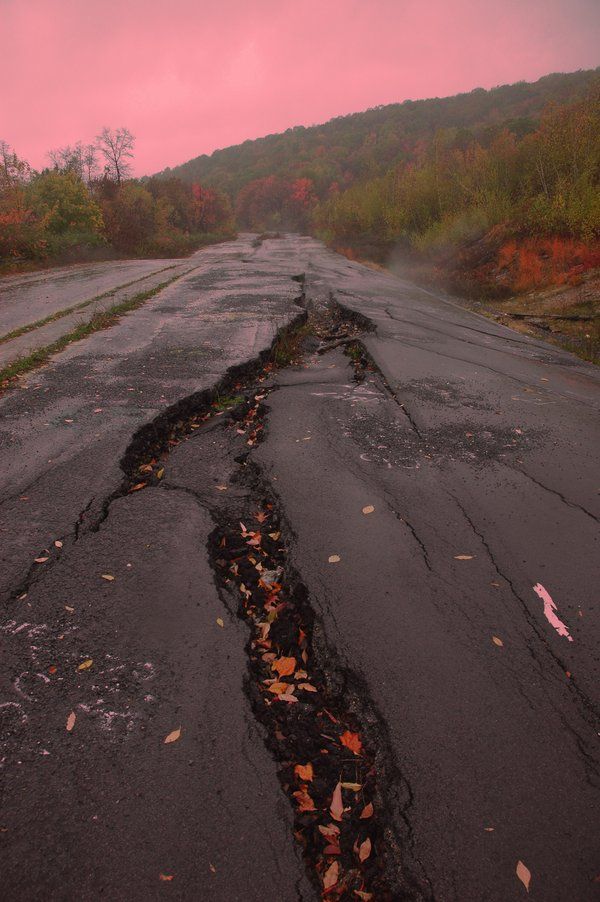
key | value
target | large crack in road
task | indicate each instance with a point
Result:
(312, 566)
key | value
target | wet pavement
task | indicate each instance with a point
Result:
(464, 604)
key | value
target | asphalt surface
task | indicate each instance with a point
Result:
(478, 450)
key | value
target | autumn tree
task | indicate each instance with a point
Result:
(116, 147)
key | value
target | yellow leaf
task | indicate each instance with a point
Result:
(524, 874)
(308, 687)
(174, 736)
(108, 577)
(71, 721)
(368, 509)
(160, 473)
(355, 787)
(463, 557)
(220, 622)
(497, 641)
(278, 688)
(334, 558)
(85, 664)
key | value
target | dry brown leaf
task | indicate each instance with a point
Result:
(85, 664)
(284, 666)
(71, 721)
(329, 830)
(69, 608)
(497, 641)
(355, 787)
(308, 687)
(362, 895)
(304, 771)
(368, 509)
(364, 850)
(108, 576)
(337, 806)
(331, 875)
(463, 557)
(288, 697)
(173, 737)
(41, 560)
(334, 558)
(278, 688)
(137, 487)
(220, 622)
(524, 874)
(274, 535)
(221, 488)
(305, 803)
(367, 811)
(351, 741)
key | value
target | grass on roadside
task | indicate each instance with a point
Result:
(53, 317)
(99, 321)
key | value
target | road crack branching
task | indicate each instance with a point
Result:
(334, 756)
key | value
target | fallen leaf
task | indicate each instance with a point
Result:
(497, 641)
(58, 543)
(52, 669)
(108, 577)
(137, 487)
(489, 829)
(173, 737)
(221, 488)
(524, 874)
(351, 741)
(284, 666)
(160, 473)
(355, 787)
(85, 665)
(334, 558)
(331, 875)
(362, 895)
(304, 771)
(278, 688)
(308, 687)
(220, 622)
(274, 535)
(368, 509)
(367, 811)
(337, 806)
(41, 560)
(212, 867)
(71, 721)
(364, 850)
(329, 830)
(305, 803)
(69, 608)
(288, 697)
(166, 877)
(463, 557)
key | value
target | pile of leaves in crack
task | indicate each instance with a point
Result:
(327, 770)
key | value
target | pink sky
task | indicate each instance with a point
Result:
(188, 76)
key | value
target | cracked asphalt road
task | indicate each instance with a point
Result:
(477, 448)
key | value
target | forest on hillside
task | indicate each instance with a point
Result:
(501, 187)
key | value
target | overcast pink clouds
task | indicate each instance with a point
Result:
(187, 76)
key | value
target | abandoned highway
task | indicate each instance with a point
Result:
(300, 590)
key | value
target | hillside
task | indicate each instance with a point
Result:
(367, 144)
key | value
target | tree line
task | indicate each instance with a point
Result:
(86, 205)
